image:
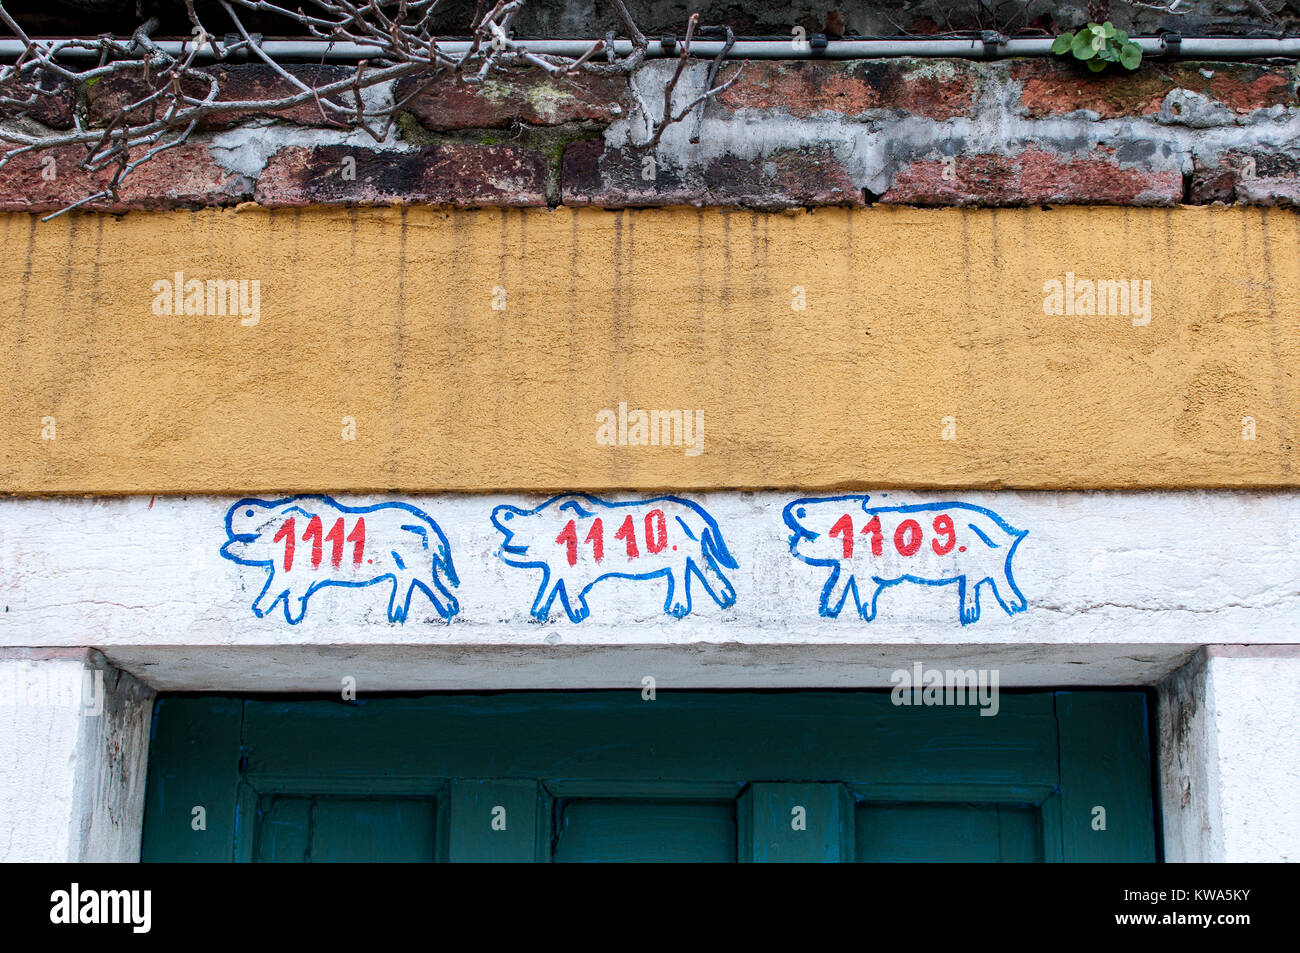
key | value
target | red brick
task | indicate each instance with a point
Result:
(1209, 186)
(246, 82)
(788, 178)
(525, 96)
(460, 175)
(938, 89)
(1055, 87)
(1251, 178)
(52, 108)
(183, 177)
(1033, 177)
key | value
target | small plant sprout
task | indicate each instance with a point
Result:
(1099, 44)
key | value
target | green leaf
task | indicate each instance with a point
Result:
(1082, 46)
(1121, 37)
(1108, 28)
(1130, 55)
(1096, 65)
(1062, 43)
(1096, 28)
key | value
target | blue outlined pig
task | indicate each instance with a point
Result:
(933, 544)
(309, 542)
(578, 540)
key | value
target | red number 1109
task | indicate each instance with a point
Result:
(907, 535)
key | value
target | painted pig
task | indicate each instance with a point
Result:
(309, 542)
(934, 544)
(578, 540)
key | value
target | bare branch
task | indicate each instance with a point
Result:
(165, 97)
(667, 117)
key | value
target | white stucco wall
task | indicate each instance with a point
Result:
(74, 736)
(1121, 588)
(1194, 592)
(1230, 756)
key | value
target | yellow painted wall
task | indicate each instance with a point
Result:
(385, 316)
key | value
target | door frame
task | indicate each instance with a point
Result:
(1065, 753)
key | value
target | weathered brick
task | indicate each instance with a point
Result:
(1209, 186)
(460, 175)
(524, 96)
(787, 178)
(934, 89)
(1261, 177)
(183, 177)
(892, 101)
(52, 108)
(243, 82)
(1056, 87)
(1033, 177)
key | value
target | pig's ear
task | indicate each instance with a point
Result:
(575, 507)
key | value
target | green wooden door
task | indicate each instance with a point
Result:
(608, 776)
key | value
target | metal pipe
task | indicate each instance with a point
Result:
(966, 48)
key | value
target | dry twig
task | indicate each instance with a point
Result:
(177, 94)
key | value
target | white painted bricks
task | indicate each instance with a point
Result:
(1122, 589)
(1176, 568)
(1230, 756)
(74, 737)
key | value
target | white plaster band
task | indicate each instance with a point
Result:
(1010, 568)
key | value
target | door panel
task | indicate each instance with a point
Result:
(330, 830)
(627, 830)
(495, 821)
(948, 832)
(612, 736)
(604, 776)
(797, 823)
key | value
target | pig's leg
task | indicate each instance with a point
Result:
(579, 611)
(969, 594)
(268, 597)
(404, 586)
(678, 602)
(397, 610)
(546, 597)
(714, 582)
(295, 606)
(868, 609)
(439, 595)
(1008, 593)
(836, 591)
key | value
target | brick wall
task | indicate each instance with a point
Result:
(786, 134)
